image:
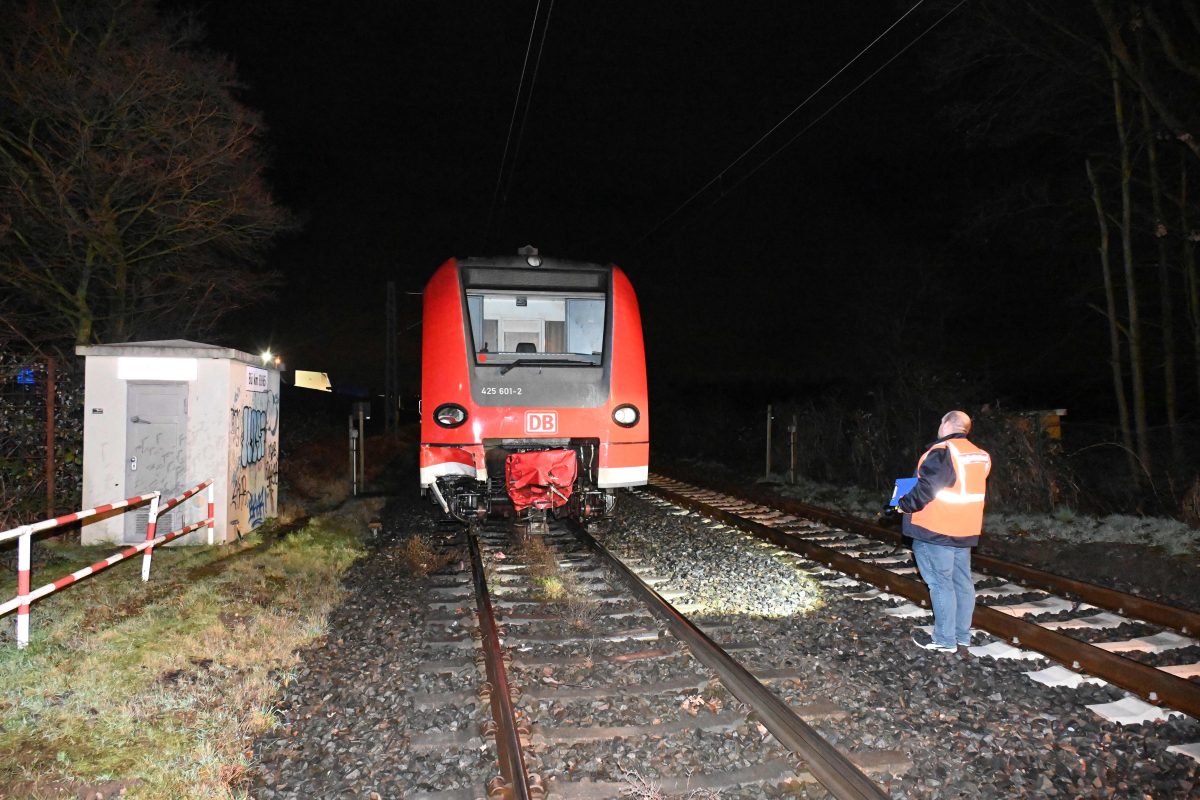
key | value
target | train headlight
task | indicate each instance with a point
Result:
(449, 415)
(626, 416)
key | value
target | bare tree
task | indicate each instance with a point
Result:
(1166, 294)
(1133, 320)
(1073, 72)
(1114, 322)
(1191, 274)
(1160, 87)
(132, 203)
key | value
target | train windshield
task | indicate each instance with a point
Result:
(537, 327)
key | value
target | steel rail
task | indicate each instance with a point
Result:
(833, 769)
(508, 740)
(1180, 619)
(1154, 685)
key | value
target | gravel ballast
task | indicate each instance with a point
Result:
(351, 716)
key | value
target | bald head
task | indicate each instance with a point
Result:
(954, 422)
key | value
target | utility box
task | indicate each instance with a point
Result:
(168, 415)
(1047, 422)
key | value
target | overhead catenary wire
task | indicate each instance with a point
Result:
(512, 122)
(504, 159)
(720, 176)
(537, 65)
(844, 97)
(828, 111)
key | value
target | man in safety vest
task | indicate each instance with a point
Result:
(943, 514)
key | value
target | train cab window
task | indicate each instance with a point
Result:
(548, 326)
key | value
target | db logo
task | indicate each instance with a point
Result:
(541, 422)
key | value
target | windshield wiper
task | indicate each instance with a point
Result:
(531, 362)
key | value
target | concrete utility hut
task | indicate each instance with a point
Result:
(167, 415)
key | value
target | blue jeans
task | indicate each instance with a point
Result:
(947, 573)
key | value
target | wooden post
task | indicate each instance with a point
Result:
(362, 449)
(353, 458)
(769, 418)
(792, 447)
(50, 460)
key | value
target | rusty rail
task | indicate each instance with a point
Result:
(1152, 684)
(834, 770)
(1180, 619)
(516, 779)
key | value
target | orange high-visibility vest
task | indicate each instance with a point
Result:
(958, 510)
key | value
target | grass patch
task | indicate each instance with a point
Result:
(162, 686)
(420, 557)
(552, 587)
(542, 561)
(579, 608)
(581, 612)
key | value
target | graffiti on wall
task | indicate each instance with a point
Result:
(253, 458)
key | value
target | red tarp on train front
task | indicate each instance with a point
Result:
(541, 479)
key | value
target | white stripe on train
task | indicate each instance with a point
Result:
(613, 477)
(429, 474)
(608, 477)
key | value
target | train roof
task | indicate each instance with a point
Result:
(528, 270)
(529, 261)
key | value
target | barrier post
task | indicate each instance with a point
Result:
(767, 476)
(151, 524)
(50, 459)
(354, 445)
(24, 544)
(362, 447)
(792, 429)
(211, 516)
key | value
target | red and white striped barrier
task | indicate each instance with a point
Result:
(24, 536)
(156, 509)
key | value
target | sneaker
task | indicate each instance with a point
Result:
(924, 640)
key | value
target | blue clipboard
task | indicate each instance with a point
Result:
(903, 487)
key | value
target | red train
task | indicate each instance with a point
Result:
(533, 388)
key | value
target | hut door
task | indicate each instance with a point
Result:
(155, 451)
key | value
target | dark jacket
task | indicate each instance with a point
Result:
(935, 474)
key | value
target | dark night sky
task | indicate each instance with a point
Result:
(387, 126)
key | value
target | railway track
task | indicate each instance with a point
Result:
(607, 701)
(586, 656)
(1094, 633)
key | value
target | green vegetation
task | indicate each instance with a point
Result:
(160, 688)
(553, 586)
(579, 608)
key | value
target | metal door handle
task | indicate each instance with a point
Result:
(141, 421)
(133, 464)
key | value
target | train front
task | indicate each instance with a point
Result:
(533, 395)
